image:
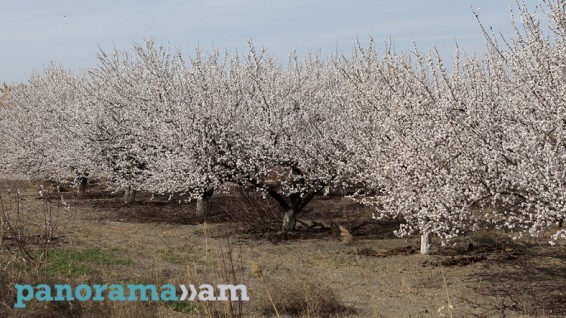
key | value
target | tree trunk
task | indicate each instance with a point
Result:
(425, 243)
(202, 207)
(202, 203)
(129, 195)
(81, 188)
(289, 220)
(294, 204)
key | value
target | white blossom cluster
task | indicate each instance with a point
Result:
(480, 143)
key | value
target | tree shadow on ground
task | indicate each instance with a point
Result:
(243, 212)
(533, 283)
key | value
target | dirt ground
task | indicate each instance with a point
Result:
(378, 275)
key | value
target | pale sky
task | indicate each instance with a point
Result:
(69, 32)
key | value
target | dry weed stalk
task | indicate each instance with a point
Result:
(450, 306)
(227, 269)
(28, 231)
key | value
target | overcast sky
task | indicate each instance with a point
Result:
(70, 32)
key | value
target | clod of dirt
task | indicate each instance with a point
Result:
(347, 238)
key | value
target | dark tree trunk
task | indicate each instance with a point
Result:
(81, 187)
(293, 204)
(296, 205)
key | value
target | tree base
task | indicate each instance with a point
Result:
(425, 243)
(201, 208)
(81, 188)
(289, 220)
(130, 195)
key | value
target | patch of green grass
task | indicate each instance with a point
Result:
(186, 307)
(180, 257)
(83, 262)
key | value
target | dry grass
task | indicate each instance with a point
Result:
(30, 228)
(34, 250)
(301, 296)
(313, 275)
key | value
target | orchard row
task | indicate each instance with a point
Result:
(480, 143)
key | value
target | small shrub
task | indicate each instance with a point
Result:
(301, 296)
(491, 239)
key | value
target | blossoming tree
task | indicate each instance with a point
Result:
(44, 127)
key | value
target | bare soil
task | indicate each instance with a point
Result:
(378, 275)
